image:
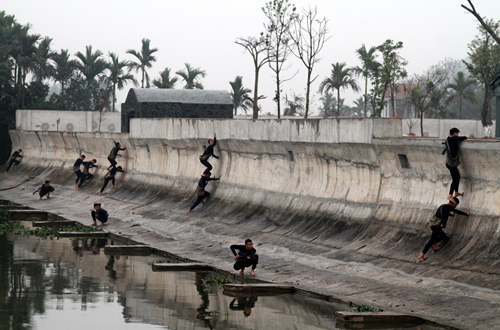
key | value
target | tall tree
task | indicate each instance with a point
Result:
(117, 77)
(341, 77)
(239, 94)
(392, 69)
(484, 66)
(43, 69)
(461, 91)
(23, 51)
(309, 35)
(280, 15)
(92, 65)
(145, 59)
(192, 76)
(367, 58)
(63, 68)
(258, 49)
(165, 81)
(424, 93)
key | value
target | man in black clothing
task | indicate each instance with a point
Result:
(76, 169)
(111, 177)
(99, 214)
(114, 153)
(200, 189)
(86, 175)
(209, 151)
(13, 160)
(245, 257)
(46, 189)
(438, 222)
(453, 160)
(245, 304)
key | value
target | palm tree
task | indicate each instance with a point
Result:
(461, 90)
(145, 59)
(44, 53)
(294, 105)
(360, 104)
(63, 68)
(191, 76)
(117, 76)
(328, 100)
(341, 78)
(239, 94)
(367, 57)
(91, 64)
(23, 51)
(165, 81)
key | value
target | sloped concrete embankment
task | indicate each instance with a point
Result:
(351, 187)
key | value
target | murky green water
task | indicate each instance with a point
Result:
(72, 284)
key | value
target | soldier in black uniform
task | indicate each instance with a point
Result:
(111, 177)
(86, 175)
(45, 190)
(200, 189)
(99, 214)
(76, 169)
(209, 151)
(114, 153)
(13, 160)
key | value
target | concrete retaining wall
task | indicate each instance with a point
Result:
(72, 121)
(342, 184)
(441, 127)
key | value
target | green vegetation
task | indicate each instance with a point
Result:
(214, 282)
(167, 262)
(16, 228)
(366, 308)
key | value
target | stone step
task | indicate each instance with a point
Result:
(128, 250)
(175, 267)
(259, 287)
(97, 234)
(24, 215)
(54, 223)
(370, 318)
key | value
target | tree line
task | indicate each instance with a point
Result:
(450, 89)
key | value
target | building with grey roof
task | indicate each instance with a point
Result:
(175, 103)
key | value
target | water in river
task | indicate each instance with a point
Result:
(72, 284)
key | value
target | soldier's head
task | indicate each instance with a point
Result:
(211, 142)
(47, 183)
(455, 202)
(248, 244)
(20, 150)
(207, 173)
(82, 157)
(97, 206)
(454, 131)
(94, 161)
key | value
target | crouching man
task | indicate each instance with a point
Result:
(99, 214)
(45, 190)
(246, 257)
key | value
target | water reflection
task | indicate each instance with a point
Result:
(71, 283)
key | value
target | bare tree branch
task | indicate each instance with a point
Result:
(473, 11)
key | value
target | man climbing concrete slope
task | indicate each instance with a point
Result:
(438, 222)
(200, 189)
(114, 153)
(111, 177)
(209, 151)
(453, 160)
(86, 174)
(13, 159)
(76, 169)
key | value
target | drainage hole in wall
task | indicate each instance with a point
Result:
(403, 161)
(290, 155)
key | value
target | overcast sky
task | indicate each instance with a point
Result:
(202, 33)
